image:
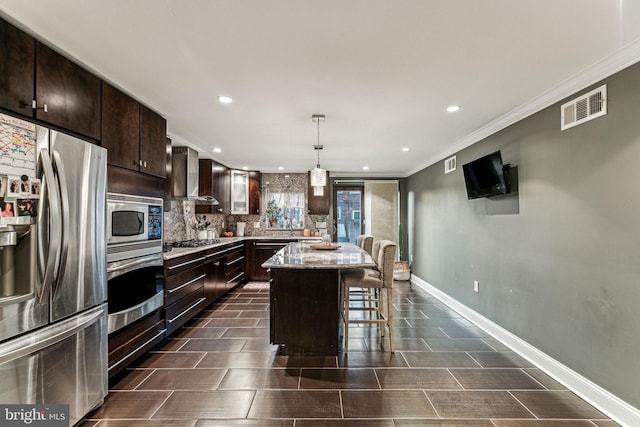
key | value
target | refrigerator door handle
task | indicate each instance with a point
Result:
(47, 263)
(64, 222)
(19, 349)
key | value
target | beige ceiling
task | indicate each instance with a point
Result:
(382, 71)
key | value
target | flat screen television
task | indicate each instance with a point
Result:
(485, 177)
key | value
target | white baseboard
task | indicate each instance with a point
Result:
(601, 399)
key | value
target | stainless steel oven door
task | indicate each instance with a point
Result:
(135, 288)
(123, 266)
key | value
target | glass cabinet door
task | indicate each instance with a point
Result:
(239, 192)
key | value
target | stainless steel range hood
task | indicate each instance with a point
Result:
(184, 164)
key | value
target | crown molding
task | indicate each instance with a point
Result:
(609, 65)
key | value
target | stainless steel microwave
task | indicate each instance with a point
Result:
(133, 218)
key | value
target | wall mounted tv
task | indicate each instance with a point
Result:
(485, 177)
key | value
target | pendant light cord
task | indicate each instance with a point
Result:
(318, 149)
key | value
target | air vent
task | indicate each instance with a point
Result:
(450, 164)
(587, 107)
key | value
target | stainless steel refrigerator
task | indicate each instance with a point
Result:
(53, 311)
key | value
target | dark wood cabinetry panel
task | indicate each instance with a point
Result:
(213, 281)
(139, 336)
(120, 180)
(153, 138)
(223, 184)
(309, 298)
(169, 176)
(70, 93)
(259, 252)
(234, 266)
(255, 183)
(318, 205)
(214, 180)
(194, 281)
(120, 127)
(17, 68)
(184, 280)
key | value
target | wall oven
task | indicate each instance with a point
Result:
(135, 287)
(133, 219)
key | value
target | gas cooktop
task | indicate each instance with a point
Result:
(194, 243)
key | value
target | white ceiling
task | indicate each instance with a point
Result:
(382, 71)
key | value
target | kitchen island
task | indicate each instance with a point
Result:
(305, 296)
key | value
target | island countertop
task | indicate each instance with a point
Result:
(298, 255)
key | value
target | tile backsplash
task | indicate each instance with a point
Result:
(180, 221)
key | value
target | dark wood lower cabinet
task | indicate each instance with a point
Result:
(127, 344)
(183, 289)
(234, 266)
(260, 251)
(305, 311)
(214, 277)
(194, 281)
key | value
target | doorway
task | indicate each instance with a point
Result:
(366, 207)
(347, 213)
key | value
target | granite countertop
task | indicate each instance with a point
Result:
(178, 252)
(303, 256)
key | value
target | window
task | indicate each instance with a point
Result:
(285, 210)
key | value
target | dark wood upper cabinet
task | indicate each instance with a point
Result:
(17, 67)
(153, 138)
(255, 182)
(120, 128)
(223, 183)
(135, 136)
(213, 181)
(318, 205)
(67, 95)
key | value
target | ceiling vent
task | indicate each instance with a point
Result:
(587, 107)
(450, 164)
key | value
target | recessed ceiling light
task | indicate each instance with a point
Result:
(453, 108)
(405, 149)
(225, 99)
(245, 168)
(365, 168)
(217, 149)
(280, 168)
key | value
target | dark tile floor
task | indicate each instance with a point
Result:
(220, 370)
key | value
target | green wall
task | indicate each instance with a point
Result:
(558, 262)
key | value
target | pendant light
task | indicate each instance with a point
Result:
(318, 175)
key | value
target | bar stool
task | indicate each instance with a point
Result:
(365, 242)
(380, 280)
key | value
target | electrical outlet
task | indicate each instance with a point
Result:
(476, 286)
(256, 224)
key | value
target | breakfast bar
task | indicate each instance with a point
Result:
(305, 295)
